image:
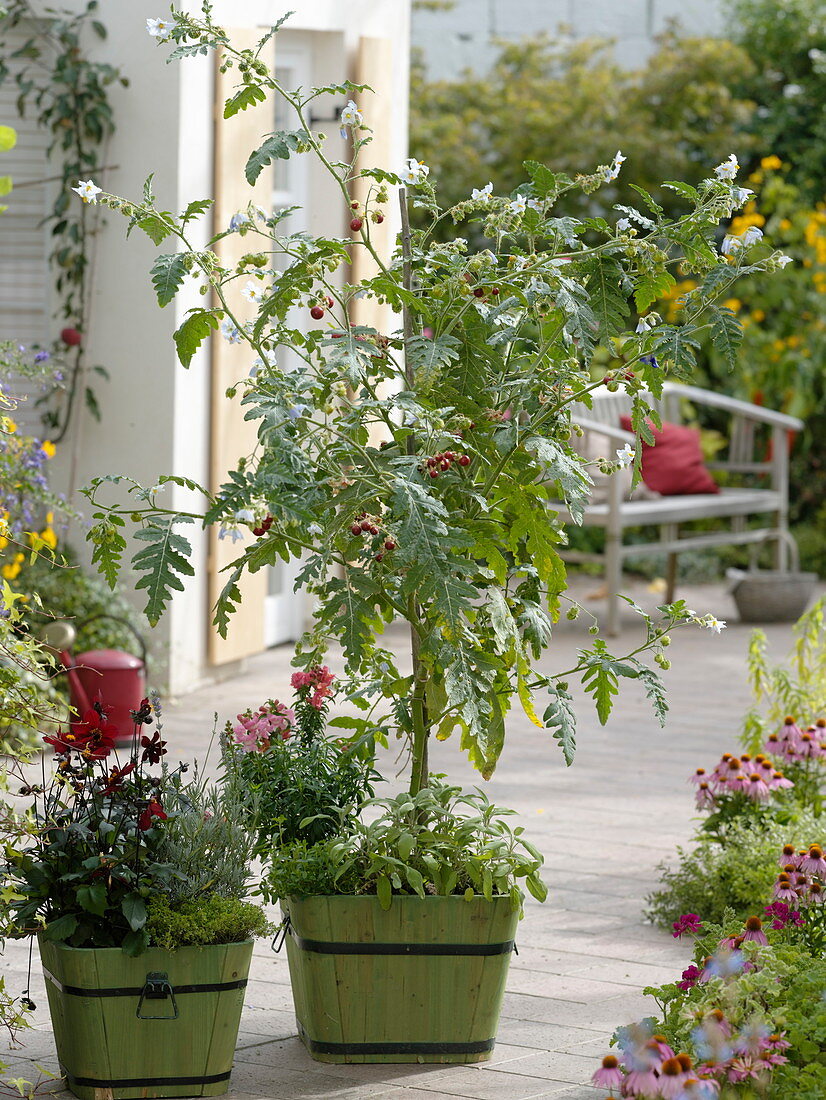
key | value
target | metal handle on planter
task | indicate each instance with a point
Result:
(281, 935)
(157, 988)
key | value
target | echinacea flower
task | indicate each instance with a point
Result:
(672, 1078)
(756, 788)
(704, 798)
(609, 1075)
(88, 190)
(754, 931)
(699, 777)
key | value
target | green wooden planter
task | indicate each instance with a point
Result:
(422, 982)
(162, 1024)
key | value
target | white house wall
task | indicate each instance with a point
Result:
(155, 413)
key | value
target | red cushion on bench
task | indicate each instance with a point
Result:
(673, 465)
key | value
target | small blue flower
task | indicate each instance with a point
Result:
(42, 357)
(236, 221)
(649, 360)
(297, 410)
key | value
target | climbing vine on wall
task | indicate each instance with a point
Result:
(66, 93)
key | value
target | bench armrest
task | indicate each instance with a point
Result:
(733, 405)
(619, 434)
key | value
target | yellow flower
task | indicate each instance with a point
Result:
(779, 345)
(734, 304)
(48, 448)
(771, 162)
(49, 537)
(9, 425)
(758, 315)
(785, 225)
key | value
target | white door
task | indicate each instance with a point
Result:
(283, 608)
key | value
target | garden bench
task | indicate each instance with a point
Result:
(733, 503)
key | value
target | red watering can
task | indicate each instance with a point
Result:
(110, 677)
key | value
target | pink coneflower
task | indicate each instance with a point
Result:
(673, 1076)
(699, 1088)
(813, 862)
(774, 745)
(788, 855)
(752, 1039)
(660, 1049)
(779, 782)
(790, 732)
(816, 895)
(704, 798)
(756, 788)
(699, 776)
(609, 1075)
(777, 1041)
(745, 1067)
(809, 747)
(642, 1083)
(784, 891)
(754, 931)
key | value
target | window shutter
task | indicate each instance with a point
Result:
(231, 436)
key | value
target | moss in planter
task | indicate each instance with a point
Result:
(204, 922)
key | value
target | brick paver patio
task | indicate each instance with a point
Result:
(603, 825)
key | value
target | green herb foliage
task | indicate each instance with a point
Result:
(203, 921)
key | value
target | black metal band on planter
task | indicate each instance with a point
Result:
(139, 1082)
(327, 947)
(137, 990)
(315, 1047)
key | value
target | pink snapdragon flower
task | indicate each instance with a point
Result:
(319, 679)
(255, 730)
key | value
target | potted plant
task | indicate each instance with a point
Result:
(134, 884)
(411, 470)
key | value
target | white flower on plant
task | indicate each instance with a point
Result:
(730, 245)
(350, 116)
(728, 169)
(230, 332)
(87, 190)
(626, 455)
(230, 532)
(792, 90)
(752, 236)
(741, 195)
(519, 205)
(160, 29)
(647, 322)
(482, 194)
(245, 515)
(782, 260)
(712, 624)
(236, 221)
(535, 204)
(253, 292)
(613, 170)
(623, 224)
(414, 172)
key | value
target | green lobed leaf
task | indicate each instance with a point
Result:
(726, 333)
(163, 561)
(194, 330)
(278, 146)
(168, 273)
(560, 719)
(247, 96)
(652, 286)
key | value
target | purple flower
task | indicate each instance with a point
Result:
(688, 922)
(691, 975)
(42, 357)
(649, 360)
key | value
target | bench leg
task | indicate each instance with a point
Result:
(671, 578)
(613, 582)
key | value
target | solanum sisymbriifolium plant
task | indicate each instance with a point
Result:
(413, 470)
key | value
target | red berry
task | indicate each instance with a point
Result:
(365, 525)
(434, 474)
(356, 529)
(464, 460)
(472, 424)
(494, 290)
(432, 461)
(450, 454)
(389, 544)
(268, 522)
(70, 337)
(258, 530)
(379, 218)
(356, 224)
(445, 464)
(479, 292)
(329, 301)
(354, 206)
(379, 557)
(373, 529)
(316, 313)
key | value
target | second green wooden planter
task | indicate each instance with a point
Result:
(163, 1024)
(421, 982)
